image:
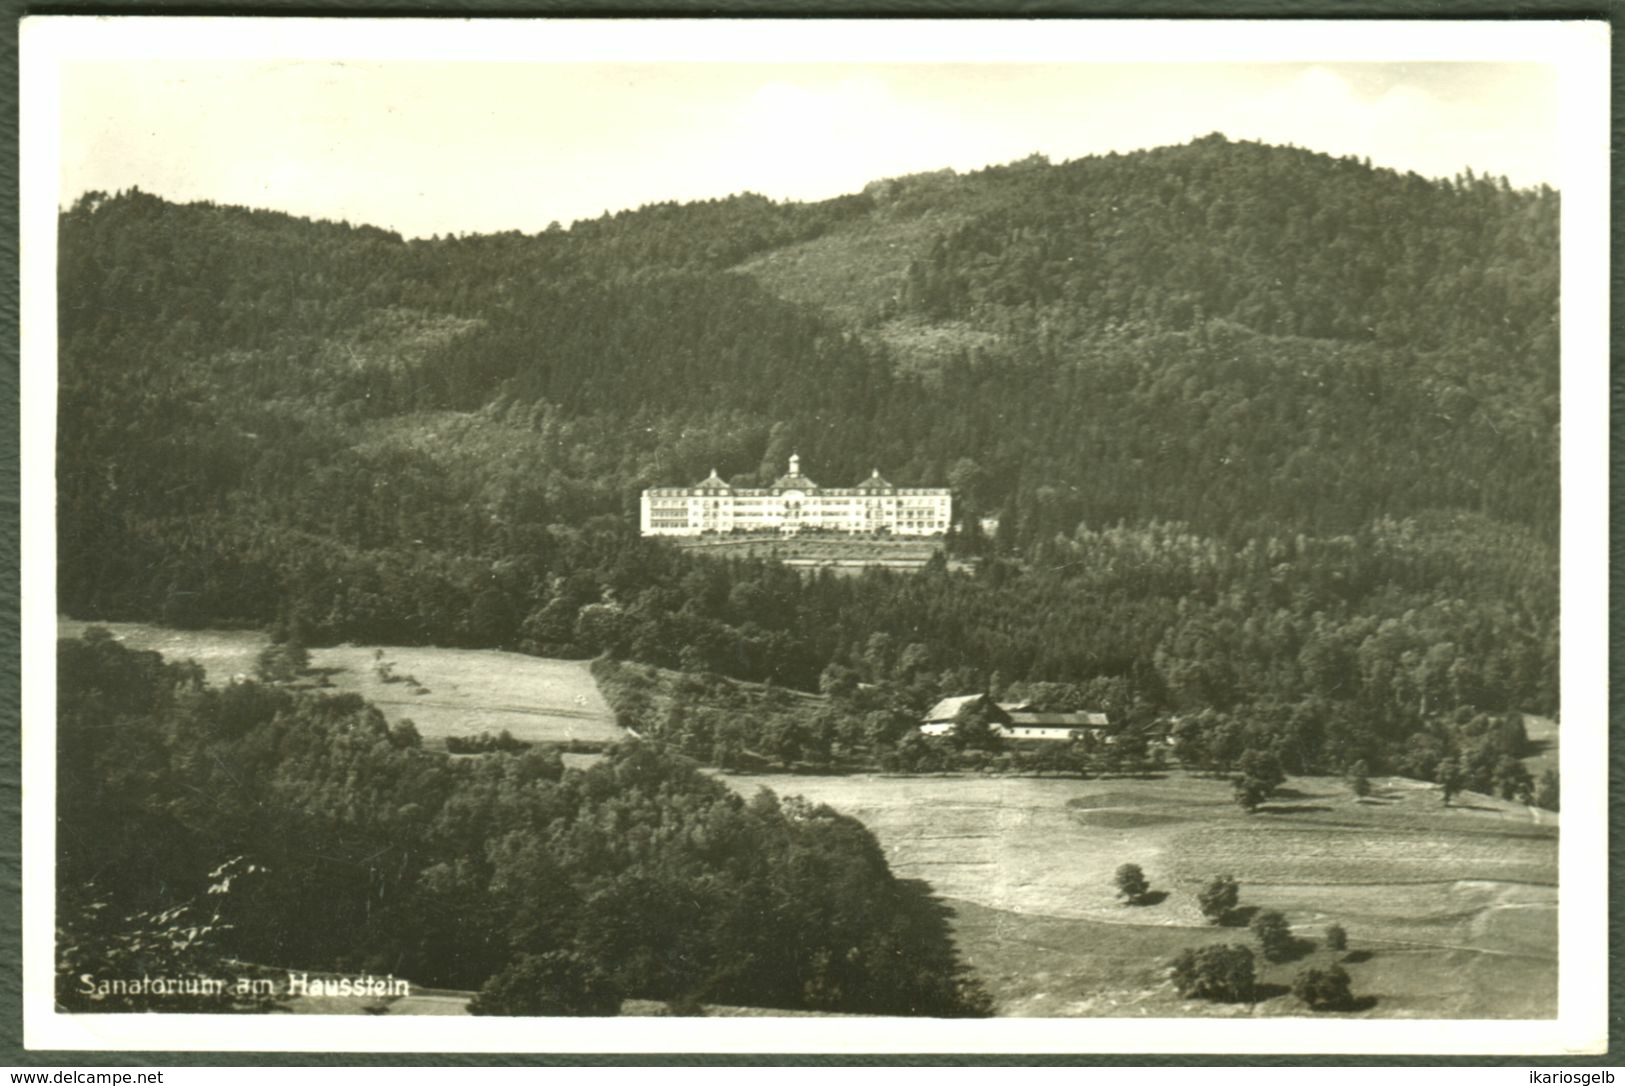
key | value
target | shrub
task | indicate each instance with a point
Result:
(1263, 767)
(1323, 989)
(1449, 777)
(1250, 792)
(1223, 973)
(1132, 884)
(1336, 938)
(404, 734)
(1273, 933)
(1218, 898)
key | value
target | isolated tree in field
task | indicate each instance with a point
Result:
(1249, 792)
(1260, 776)
(1132, 884)
(1324, 989)
(1263, 766)
(1224, 973)
(1336, 938)
(1358, 780)
(1273, 933)
(1218, 898)
(1449, 779)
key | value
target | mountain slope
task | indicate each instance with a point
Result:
(1346, 373)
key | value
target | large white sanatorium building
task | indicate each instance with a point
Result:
(795, 503)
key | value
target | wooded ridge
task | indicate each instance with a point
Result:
(1258, 425)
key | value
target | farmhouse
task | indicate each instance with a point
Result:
(794, 503)
(942, 717)
(1026, 724)
(1014, 720)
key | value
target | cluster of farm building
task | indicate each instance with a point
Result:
(1018, 721)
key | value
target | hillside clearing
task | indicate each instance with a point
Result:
(463, 691)
(852, 273)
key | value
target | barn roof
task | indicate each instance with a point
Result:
(948, 708)
(1027, 719)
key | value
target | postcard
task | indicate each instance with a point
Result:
(796, 536)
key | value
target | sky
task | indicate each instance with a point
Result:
(426, 147)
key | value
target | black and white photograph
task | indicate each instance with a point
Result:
(879, 534)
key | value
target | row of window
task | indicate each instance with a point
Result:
(908, 525)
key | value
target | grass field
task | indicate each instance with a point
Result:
(463, 691)
(1455, 907)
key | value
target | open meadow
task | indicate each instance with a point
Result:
(1450, 912)
(451, 692)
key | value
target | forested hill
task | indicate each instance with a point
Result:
(1221, 334)
(1257, 383)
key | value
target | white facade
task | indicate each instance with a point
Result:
(1016, 721)
(795, 503)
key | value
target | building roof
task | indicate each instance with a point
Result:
(948, 708)
(1027, 719)
(794, 480)
(874, 482)
(713, 482)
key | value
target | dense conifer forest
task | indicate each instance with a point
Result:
(1271, 438)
